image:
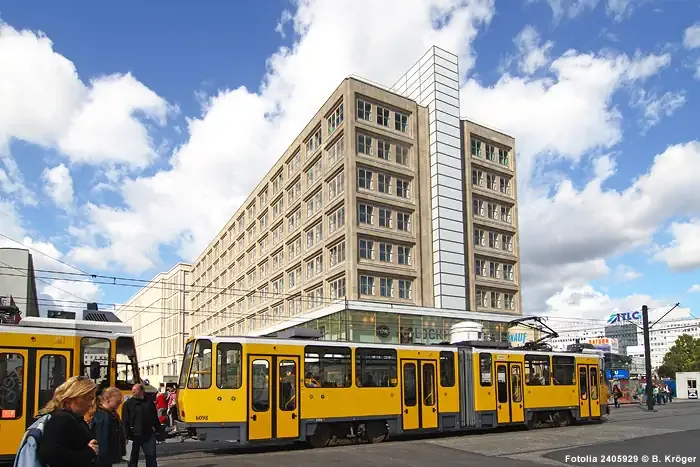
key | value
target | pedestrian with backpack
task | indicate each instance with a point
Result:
(106, 428)
(60, 437)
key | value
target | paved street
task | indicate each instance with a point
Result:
(673, 429)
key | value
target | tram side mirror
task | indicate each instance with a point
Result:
(95, 370)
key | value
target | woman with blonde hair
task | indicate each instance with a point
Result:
(106, 427)
(67, 441)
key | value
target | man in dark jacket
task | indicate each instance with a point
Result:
(140, 421)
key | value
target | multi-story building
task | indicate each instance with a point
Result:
(370, 204)
(17, 280)
(159, 317)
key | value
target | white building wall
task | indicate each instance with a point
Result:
(664, 335)
(158, 315)
(434, 82)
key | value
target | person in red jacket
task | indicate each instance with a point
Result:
(162, 407)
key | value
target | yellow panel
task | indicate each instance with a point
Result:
(448, 400)
(13, 418)
(517, 411)
(501, 382)
(260, 379)
(584, 399)
(429, 394)
(484, 391)
(287, 405)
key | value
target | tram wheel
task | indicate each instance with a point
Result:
(321, 436)
(562, 418)
(376, 432)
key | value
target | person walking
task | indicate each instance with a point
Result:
(140, 420)
(617, 394)
(67, 440)
(106, 427)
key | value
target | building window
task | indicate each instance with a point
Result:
(508, 272)
(401, 154)
(404, 255)
(376, 368)
(366, 214)
(493, 211)
(364, 145)
(337, 288)
(384, 183)
(476, 147)
(479, 238)
(477, 207)
(509, 301)
(385, 252)
(384, 150)
(503, 157)
(367, 285)
(314, 173)
(481, 298)
(495, 300)
(385, 217)
(403, 222)
(364, 110)
(382, 116)
(507, 242)
(505, 186)
(313, 143)
(336, 254)
(491, 182)
(366, 249)
(505, 214)
(335, 119)
(494, 270)
(327, 367)
(493, 240)
(490, 152)
(336, 186)
(337, 151)
(336, 219)
(402, 188)
(405, 289)
(365, 179)
(386, 287)
(400, 122)
(477, 178)
(293, 277)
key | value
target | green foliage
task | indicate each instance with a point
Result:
(683, 356)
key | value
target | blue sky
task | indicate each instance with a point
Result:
(119, 152)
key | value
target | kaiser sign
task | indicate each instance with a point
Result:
(621, 318)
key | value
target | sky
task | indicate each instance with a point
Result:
(129, 134)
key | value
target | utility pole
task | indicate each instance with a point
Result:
(647, 357)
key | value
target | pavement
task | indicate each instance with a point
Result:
(629, 434)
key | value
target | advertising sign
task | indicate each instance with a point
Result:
(606, 344)
(616, 373)
(519, 335)
(622, 318)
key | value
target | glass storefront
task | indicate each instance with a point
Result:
(395, 328)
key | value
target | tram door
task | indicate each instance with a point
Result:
(15, 409)
(509, 392)
(589, 400)
(273, 406)
(52, 370)
(419, 392)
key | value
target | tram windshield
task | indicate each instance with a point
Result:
(127, 364)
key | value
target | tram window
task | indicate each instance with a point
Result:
(260, 388)
(127, 366)
(288, 385)
(563, 370)
(228, 365)
(516, 384)
(11, 391)
(327, 367)
(447, 369)
(537, 370)
(502, 384)
(375, 368)
(428, 384)
(200, 370)
(52, 373)
(95, 353)
(185, 370)
(485, 369)
(594, 387)
(410, 396)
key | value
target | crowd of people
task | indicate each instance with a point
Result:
(84, 429)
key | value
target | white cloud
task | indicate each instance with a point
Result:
(617, 9)
(44, 102)
(59, 185)
(532, 55)
(691, 37)
(683, 253)
(654, 108)
(695, 288)
(624, 273)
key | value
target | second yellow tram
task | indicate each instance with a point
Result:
(269, 390)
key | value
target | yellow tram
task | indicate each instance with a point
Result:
(38, 354)
(270, 390)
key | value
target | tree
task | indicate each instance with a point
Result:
(683, 356)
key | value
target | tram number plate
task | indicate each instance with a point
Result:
(202, 417)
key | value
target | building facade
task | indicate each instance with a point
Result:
(159, 317)
(17, 280)
(369, 203)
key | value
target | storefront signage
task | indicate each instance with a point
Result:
(517, 338)
(692, 393)
(422, 335)
(617, 373)
(619, 318)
